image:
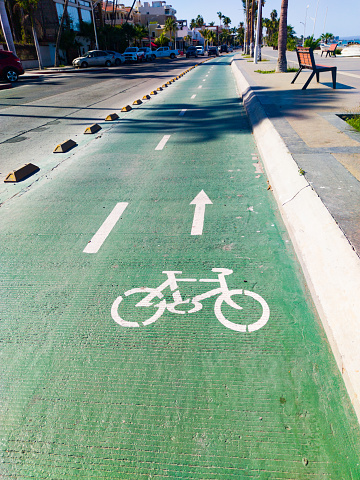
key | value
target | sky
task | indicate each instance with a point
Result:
(342, 18)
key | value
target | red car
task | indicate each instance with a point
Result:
(10, 66)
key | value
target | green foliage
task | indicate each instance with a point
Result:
(162, 40)
(354, 121)
(312, 42)
(265, 71)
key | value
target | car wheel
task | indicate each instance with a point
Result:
(172, 55)
(153, 58)
(84, 65)
(11, 75)
(107, 63)
(117, 62)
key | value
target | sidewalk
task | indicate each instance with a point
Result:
(299, 130)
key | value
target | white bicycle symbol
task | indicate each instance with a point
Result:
(224, 296)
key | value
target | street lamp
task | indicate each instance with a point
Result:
(258, 30)
(93, 4)
(304, 23)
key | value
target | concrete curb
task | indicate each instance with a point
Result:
(330, 266)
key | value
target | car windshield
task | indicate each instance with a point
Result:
(142, 49)
(131, 49)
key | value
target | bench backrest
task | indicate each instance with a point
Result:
(332, 47)
(305, 57)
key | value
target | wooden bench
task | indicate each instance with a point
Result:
(306, 61)
(330, 51)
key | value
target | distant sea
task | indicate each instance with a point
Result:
(346, 40)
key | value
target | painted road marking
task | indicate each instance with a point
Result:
(204, 80)
(100, 236)
(223, 293)
(182, 112)
(199, 215)
(200, 86)
(162, 143)
(192, 98)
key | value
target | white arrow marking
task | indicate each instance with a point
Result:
(100, 236)
(198, 223)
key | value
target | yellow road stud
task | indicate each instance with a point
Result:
(146, 97)
(93, 128)
(21, 173)
(112, 117)
(153, 92)
(159, 89)
(127, 108)
(65, 146)
(137, 102)
(164, 86)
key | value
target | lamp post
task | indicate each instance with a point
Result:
(4, 22)
(93, 4)
(258, 29)
(304, 23)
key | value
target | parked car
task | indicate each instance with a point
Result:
(213, 51)
(223, 49)
(165, 52)
(230, 48)
(134, 54)
(94, 58)
(118, 57)
(200, 50)
(10, 66)
(149, 54)
(192, 52)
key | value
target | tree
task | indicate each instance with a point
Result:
(29, 8)
(170, 26)
(140, 31)
(281, 66)
(312, 42)
(199, 21)
(162, 40)
(326, 37)
(212, 37)
(227, 21)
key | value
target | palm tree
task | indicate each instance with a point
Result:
(170, 26)
(281, 66)
(199, 21)
(227, 21)
(205, 34)
(212, 37)
(140, 31)
(162, 40)
(29, 8)
(325, 37)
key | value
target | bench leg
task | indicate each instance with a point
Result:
(308, 81)
(296, 75)
(333, 73)
(318, 77)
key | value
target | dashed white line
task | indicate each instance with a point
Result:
(162, 143)
(200, 86)
(192, 98)
(182, 112)
(100, 236)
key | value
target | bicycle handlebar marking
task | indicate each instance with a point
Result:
(223, 292)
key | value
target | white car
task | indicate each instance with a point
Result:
(200, 50)
(119, 58)
(94, 58)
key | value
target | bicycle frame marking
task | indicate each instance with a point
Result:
(223, 292)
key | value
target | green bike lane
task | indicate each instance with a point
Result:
(83, 396)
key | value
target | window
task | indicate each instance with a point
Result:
(84, 4)
(74, 17)
(86, 16)
(59, 9)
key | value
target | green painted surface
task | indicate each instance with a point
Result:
(185, 397)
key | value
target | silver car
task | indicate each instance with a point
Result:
(119, 58)
(94, 58)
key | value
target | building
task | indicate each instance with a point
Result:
(116, 14)
(158, 12)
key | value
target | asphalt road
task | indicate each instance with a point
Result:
(155, 321)
(38, 113)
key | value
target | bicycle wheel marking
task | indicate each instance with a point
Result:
(100, 236)
(222, 292)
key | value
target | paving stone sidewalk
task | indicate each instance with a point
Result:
(321, 143)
